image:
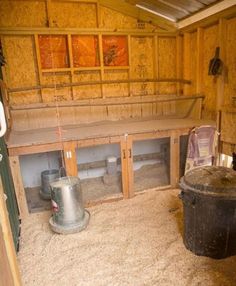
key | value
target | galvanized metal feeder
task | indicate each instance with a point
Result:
(69, 215)
(47, 177)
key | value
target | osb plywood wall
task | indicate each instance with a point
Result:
(151, 55)
(219, 90)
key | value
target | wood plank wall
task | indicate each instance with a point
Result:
(199, 48)
(152, 54)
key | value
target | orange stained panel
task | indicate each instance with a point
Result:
(85, 51)
(115, 50)
(53, 51)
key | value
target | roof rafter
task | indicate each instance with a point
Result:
(128, 9)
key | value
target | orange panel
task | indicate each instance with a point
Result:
(85, 51)
(53, 52)
(115, 50)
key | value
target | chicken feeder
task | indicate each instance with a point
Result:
(69, 215)
(47, 177)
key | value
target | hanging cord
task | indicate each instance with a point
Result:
(59, 131)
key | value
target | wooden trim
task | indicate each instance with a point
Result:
(179, 63)
(186, 61)
(101, 82)
(199, 79)
(32, 149)
(39, 70)
(124, 167)
(156, 63)
(130, 168)
(8, 241)
(104, 102)
(130, 10)
(213, 10)
(70, 158)
(222, 32)
(174, 159)
(19, 187)
(77, 31)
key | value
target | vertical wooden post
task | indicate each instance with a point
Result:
(40, 75)
(186, 62)
(11, 273)
(130, 169)
(70, 158)
(221, 78)
(156, 62)
(48, 13)
(101, 62)
(199, 87)
(179, 63)
(19, 188)
(98, 14)
(129, 71)
(69, 41)
(124, 167)
(174, 159)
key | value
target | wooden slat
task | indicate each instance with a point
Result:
(124, 167)
(10, 274)
(130, 168)
(19, 187)
(186, 61)
(174, 159)
(32, 149)
(221, 78)
(101, 82)
(105, 102)
(70, 158)
(199, 73)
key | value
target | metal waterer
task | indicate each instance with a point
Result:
(69, 215)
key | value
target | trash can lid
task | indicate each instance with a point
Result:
(211, 180)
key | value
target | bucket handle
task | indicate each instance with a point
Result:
(62, 172)
(191, 201)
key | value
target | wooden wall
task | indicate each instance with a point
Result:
(199, 48)
(152, 55)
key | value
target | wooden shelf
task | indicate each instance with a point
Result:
(105, 102)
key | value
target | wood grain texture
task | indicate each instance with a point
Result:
(210, 42)
(19, 188)
(10, 274)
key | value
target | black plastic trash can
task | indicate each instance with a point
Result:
(209, 203)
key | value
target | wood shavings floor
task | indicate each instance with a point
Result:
(129, 242)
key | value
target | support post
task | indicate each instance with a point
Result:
(19, 187)
(174, 159)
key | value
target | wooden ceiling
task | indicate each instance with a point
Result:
(173, 10)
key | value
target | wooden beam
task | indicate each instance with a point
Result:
(80, 31)
(213, 10)
(32, 149)
(19, 187)
(101, 82)
(130, 10)
(7, 243)
(105, 102)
